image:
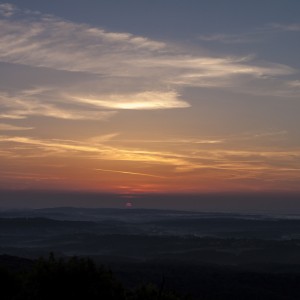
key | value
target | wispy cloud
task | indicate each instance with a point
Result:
(241, 38)
(181, 159)
(102, 138)
(95, 151)
(148, 74)
(9, 127)
(214, 141)
(12, 116)
(285, 27)
(130, 173)
(7, 9)
(46, 41)
(140, 101)
(173, 141)
(294, 83)
(28, 103)
(259, 34)
(29, 176)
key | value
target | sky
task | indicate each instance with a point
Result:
(137, 97)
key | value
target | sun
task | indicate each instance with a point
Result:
(128, 204)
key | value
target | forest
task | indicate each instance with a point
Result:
(80, 253)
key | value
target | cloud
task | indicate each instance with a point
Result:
(174, 141)
(8, 127)
(141, 101)
(66, 148)
(216, 141)
(29, 176)
(118, 70)
(102, 138)
(48, 42)
(130, 173)
(294, 83)
(49, 110)
(7, 9)
(260, 34)
(27, 103)
(187, 166)
(223, 161)
(242, 38)
(12, 116)
(295, 27)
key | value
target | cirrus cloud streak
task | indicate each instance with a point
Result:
(148, 74)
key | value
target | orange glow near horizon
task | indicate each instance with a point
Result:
(29, 163)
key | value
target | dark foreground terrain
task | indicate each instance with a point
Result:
(204, 255)
(82, 278)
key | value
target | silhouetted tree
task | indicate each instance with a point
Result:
(75, 278)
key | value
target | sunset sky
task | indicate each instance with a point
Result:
(139, 96)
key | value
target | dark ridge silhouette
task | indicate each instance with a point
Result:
(150, 252)
(14, 263)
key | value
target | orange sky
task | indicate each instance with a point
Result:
(110, 163)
